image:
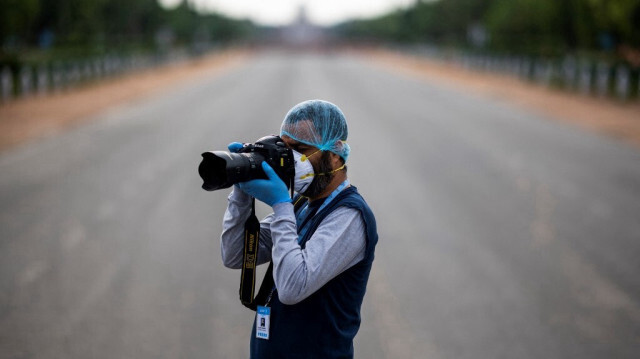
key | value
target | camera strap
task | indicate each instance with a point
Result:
(249, 261)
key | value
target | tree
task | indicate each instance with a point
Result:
(618, 18)
(17, 18)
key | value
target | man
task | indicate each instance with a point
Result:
(321, 242)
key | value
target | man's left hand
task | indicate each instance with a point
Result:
(270, 191)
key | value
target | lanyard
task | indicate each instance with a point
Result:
(304, 212)
(301, 219)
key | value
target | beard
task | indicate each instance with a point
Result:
(320, 182)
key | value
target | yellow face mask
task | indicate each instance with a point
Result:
(303, 172)
(309, 174)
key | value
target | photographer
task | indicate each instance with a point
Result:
(321, 242)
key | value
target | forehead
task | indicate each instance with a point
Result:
(304, 130)
(290, 141)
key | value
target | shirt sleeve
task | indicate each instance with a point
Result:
(232, 238)
(336, 245)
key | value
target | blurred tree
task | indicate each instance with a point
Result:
(578, 26)
(81, 27)
(619, 19)
(525, 26)
(518, 26)
(75, 22)
(183, 20)
(131, 21)
(454, 17)
(17, 18)
(434, 21)
(541, 27)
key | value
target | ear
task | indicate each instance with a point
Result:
(336, 161)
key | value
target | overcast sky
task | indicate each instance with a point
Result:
(282, 12)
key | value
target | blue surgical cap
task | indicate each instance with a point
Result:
(320, 124)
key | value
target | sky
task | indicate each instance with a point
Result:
(283, 12)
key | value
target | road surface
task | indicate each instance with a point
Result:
(502, 234)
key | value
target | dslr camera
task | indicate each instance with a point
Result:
(222, 169)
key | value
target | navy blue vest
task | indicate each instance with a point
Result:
(324, 324)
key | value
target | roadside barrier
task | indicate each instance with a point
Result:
(41, 79)
(587, 76)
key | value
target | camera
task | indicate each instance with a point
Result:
(222, 169)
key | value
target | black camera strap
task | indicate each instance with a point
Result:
(249, 261)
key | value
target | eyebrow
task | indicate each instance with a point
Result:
(300, 146)
(295, 144)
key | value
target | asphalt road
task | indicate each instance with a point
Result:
(502, 234)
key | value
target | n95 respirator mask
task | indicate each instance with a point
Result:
(304, 172)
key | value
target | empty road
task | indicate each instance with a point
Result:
(503, 234)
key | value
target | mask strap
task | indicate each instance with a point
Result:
(336, 170)
(305, 157)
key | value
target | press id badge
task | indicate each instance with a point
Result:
(262, 322)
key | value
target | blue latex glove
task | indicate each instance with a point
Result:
(270, 191)
(235, 147)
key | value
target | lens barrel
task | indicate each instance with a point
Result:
(220, 169)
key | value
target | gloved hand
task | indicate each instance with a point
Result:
(235, 147)
(270, 191)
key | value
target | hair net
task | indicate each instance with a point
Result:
(318, 123)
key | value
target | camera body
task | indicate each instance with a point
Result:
(221, 169)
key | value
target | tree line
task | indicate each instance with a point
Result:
(532, 27)
(93, 27)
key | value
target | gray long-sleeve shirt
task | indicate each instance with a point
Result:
(337, 244)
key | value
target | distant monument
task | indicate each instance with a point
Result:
(302, 33)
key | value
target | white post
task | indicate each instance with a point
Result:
(569, 73)
(585, 79)
(602, 80)
(43, 80)
(26, 79)
(57, 77)
(6, 84)
(87, 71)
(622, 82)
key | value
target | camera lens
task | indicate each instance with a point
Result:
(220, 169)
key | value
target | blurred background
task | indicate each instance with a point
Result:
(497, 141)
(590, 45)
